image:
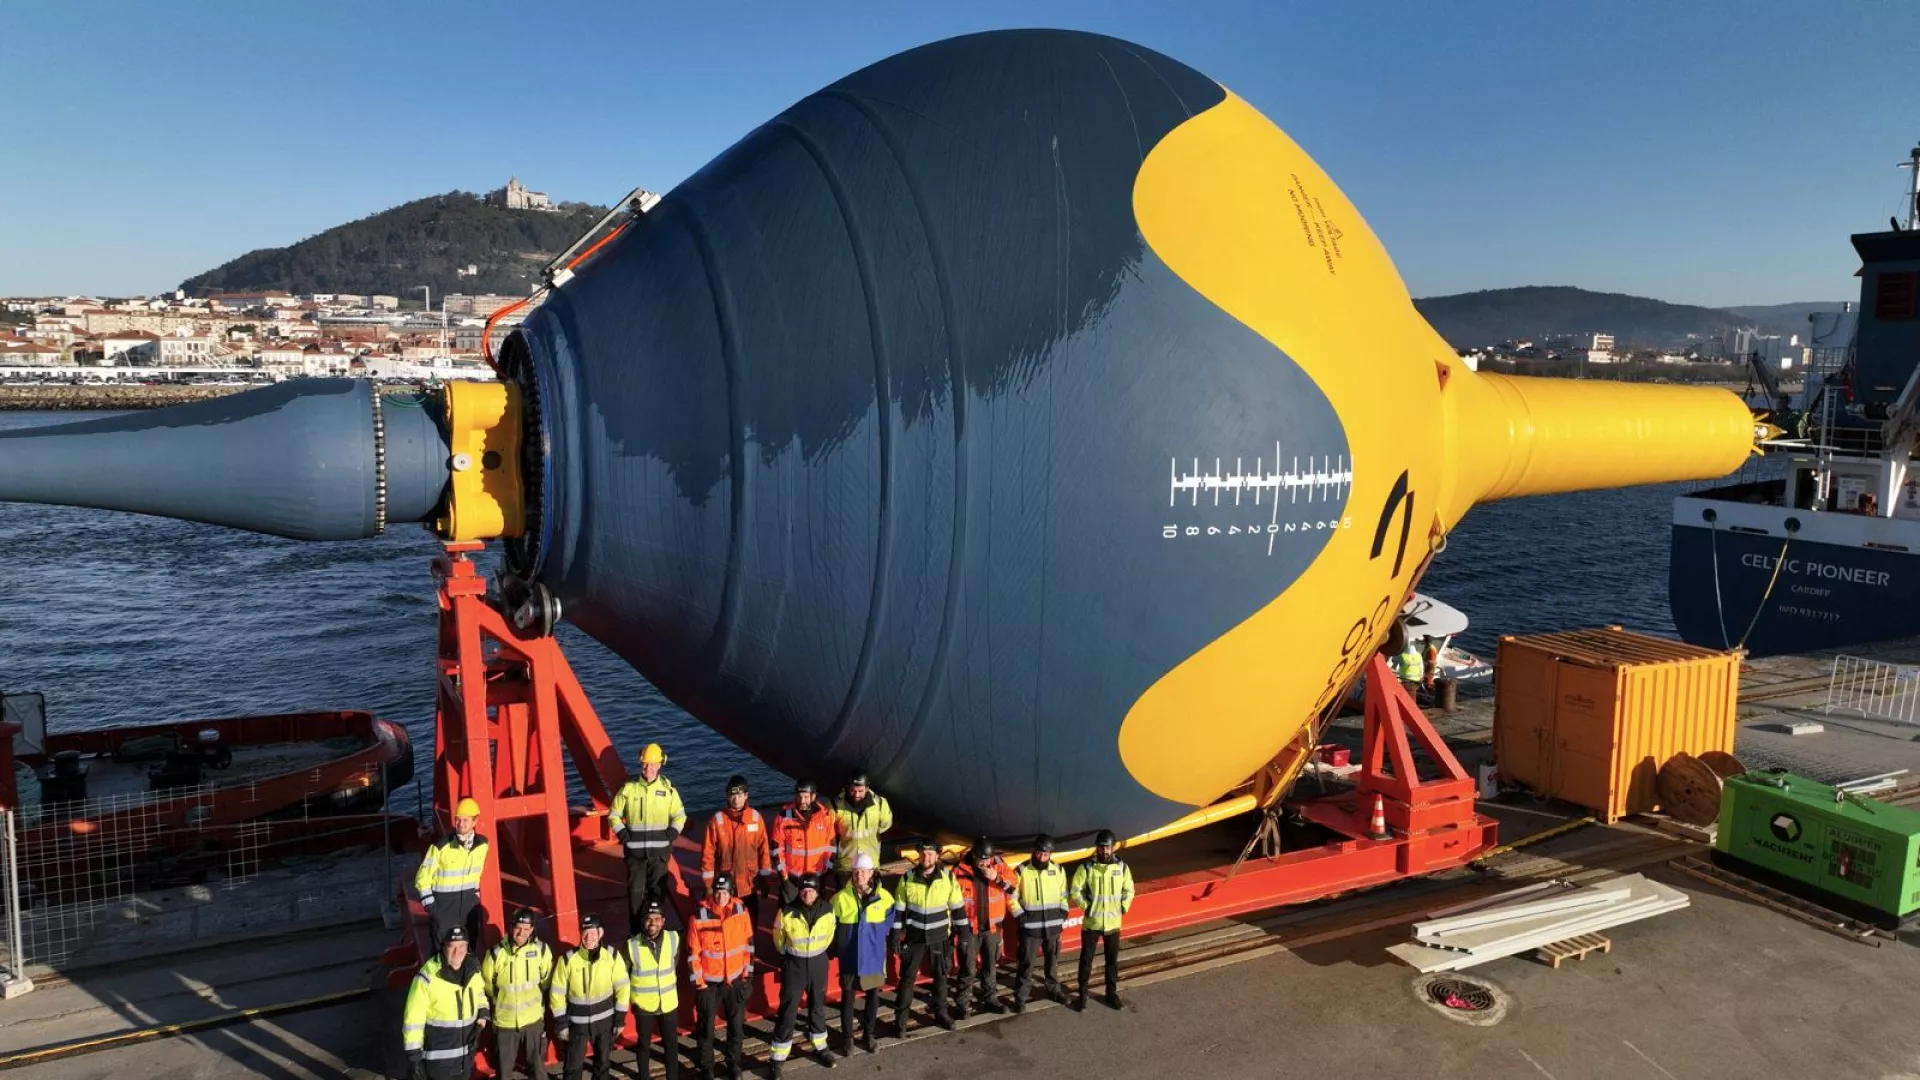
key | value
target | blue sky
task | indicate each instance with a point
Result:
(1700, 153)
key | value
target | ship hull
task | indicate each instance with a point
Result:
(1841, 579)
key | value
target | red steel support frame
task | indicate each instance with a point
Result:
(505, 706)
(1431, 826)
(508, 703)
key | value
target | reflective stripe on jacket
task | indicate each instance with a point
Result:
(720, 941)
(589, 989)
(864, 923)
(451, 867)
(1040, 898)
(805, 931)
(803, 842)
(653, 980)
(736, 843)
(442, 1007)
(1408, 665)
(1104, 892)
(996, 888)
(516, 978)
(859, 828)
(651, 814)
(928, 906)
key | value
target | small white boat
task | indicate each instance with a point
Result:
(1429, 618)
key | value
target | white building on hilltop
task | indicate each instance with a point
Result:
(515, 196)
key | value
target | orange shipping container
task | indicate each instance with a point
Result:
(1590, 716)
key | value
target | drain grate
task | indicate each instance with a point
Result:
(1471, 1001)
(1460, 994)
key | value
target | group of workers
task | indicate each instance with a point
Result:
(936, 918)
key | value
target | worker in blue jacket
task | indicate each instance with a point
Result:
(863, 916)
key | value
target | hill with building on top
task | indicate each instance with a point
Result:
(458, 242)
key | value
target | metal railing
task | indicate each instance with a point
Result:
(108, 879)
(13, 967)
(1874, 688)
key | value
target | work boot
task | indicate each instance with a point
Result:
(1059, 994)
(1019, 1004)
(1113, 1000)
(945, 1022)
(866, 1042)
(1080, 1003)
(733, 1072)
(962, 1010)
(825, 1057)
(773, 1071)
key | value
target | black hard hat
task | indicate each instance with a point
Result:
(723, 880)
(453, 934)
(859, 776)
(524, 915)
(1104, 836)
(736, 782)
(1043, 842)
(805, 785)
(808, 881)
(982, 849)
(590, 921)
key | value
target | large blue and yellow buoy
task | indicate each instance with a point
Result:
(1023, 417)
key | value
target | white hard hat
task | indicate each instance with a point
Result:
(863, 861)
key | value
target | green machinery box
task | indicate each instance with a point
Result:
(1856, 850)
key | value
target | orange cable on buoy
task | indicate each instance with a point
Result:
(486, 333)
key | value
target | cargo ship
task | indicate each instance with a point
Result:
(1822, 550)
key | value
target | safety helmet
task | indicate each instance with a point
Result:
(1043, 842)
(863, 861)
(809, 881)
(653, 907)
(807, 786)
(1104, 837)
(982, 849)
(466, 808)
(453, 934)
(738, 783)
(653, 755)
(723, 880)
(524, 915)
(858, 778)
(590, 921)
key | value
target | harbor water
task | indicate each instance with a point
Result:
(122, 619)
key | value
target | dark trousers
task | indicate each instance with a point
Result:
(509, 1042)
(1048, 946)
(645, 1024)
(647, 879)
(600, 1035)
(449, 910)
(802, 975)
(869, 1012)
(979, 955)
(716, 999)
(935, 951)
(1089, 940)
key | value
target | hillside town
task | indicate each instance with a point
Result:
(258, 336)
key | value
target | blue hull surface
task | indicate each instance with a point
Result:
(1827, 595)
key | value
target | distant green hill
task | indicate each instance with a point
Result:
(424, 242)
(1540, 311)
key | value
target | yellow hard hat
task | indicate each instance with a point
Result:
(653, 755)
(467, 808)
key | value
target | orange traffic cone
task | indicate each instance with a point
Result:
(1377, 827)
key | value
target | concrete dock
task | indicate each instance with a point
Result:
(1726, 987)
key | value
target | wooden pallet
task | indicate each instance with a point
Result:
(1574, 948)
